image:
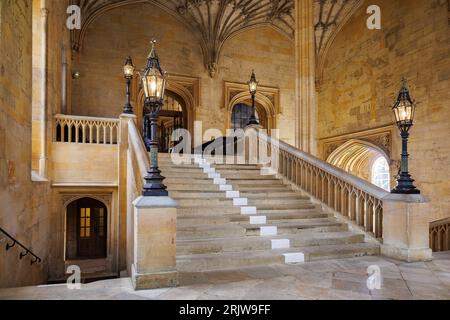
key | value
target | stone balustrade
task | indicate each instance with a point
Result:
(85, 130)
(397, 221)
(440, 235)
(352, 197)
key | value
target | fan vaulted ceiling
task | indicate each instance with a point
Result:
(215, 21)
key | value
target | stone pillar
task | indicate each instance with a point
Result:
(155, 227)
(305, 54)
(123, 192)
(406, 228)
(43, 160)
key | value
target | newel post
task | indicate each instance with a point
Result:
(155, 227)
(406, 228)
(124, 120)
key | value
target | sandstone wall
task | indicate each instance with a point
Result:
(27, 210)
(362, 78)
(128, 30)
(24, 209)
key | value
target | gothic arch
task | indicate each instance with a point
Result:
(267, 99)
(262, 104)
(185, 87)
(357, 157)
(72, 198)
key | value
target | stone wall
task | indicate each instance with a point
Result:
(128, 30)
(363, 75)
(27, 207)
(24, 209)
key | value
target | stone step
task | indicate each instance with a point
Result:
(244, 221)
(207, 194)
(231, 260)
(180, 187)
(239, 172)
(341, 251)
(210, 210)
(263, 207)
(259, 188)
(245, 177)
(212, 201)
(194, 220)
(255, 182)
(241, 229)
(210, 231)
(186, 169)
(306, 208)
(297, 226)
(192, 182)
(232, 168)
(217, 245)
(185, 175)
(227, 260)
(272, 201)
(273, 194)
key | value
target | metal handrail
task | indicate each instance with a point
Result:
(23, 254)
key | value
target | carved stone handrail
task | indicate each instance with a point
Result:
(85, 130)
(352, 197)
(138, 153)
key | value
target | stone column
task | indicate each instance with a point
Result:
(124, 120)
(155, 227)
(43, 160)
(406, 228)
(305, 76)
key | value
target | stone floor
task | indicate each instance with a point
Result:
(333, 279)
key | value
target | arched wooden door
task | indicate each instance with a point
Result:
(87, 223)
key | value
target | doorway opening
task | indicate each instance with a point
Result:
(86, 230)
(240, 117)
(172, 117)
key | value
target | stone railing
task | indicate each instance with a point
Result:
(85, 130)
(440, 235)
(137, 155)
(352, 197)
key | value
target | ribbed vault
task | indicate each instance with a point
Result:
(215, 21)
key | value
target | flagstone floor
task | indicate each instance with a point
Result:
(344, 279)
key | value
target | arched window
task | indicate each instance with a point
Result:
(241, 116)
(380, 173)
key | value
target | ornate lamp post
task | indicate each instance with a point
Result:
(128, 73)
(253, 88)
(404, 111)
(154, 84)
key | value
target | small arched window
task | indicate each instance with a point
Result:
(241, 116)
(380, 174)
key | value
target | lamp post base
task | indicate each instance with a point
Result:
(154, 186)
(405, 185)
(253, 122)
(128, 109)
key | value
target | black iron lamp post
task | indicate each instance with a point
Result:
(154, 84)
(128, 73)
(404, 111)
(253, 88)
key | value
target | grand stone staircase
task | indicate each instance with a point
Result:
(232, 216)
